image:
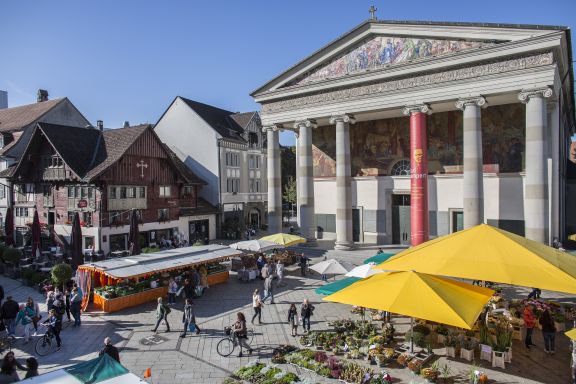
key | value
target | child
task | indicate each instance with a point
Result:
(293, 319)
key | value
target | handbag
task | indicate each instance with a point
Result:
(192, 327)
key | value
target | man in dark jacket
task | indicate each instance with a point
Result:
(188, 290)
(110, 350)
(9, 311)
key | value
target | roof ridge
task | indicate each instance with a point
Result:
(205, 105)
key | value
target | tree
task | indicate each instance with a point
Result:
(12, 255)
(288, 164)
(290, 195)
(61, 273)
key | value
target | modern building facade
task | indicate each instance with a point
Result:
(411, 130)
(228, 151)
(104, 175)
(16, 126)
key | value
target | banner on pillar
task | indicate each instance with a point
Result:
(418, 179)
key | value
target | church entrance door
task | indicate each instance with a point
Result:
(401, 219)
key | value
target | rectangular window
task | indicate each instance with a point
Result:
(112, 193)
(142, 192)
(2, 190)
(130, 192)
(90, 193)
(257, 186)
(163, 214)
(188, 190)
(84, 192)
(70, 217)
(70, 192)
(87, 218)
(164, 191)
(77, 192)
(122, 192)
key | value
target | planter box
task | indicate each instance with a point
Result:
(450, 352)
(560, 327)
(217, 278)
(119, 303)
(485, 352)
(467, 354)
(508, 355)
(498, 359)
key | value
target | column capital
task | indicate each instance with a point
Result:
(273, 127)
(525, 95)
(417, 108)
(308, 123)
(342, 117)
(479, 101)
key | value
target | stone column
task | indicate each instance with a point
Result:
(344, 239)
(535, 189)
(418, 172)
(274, 179)
(473, 188)
(305, 182)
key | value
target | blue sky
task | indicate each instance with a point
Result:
(127, 60)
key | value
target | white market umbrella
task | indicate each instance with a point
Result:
(363, 271)
(331, 266)
(255, 245)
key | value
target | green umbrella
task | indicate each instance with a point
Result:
(331, 288)
(379, 258)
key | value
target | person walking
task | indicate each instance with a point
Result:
(25, 316)
(54, 323)
(110, 350)
(49, 300)
(293, 320)
(280, 272)
(162, 312)
(265, 272)
(548, 331)
(9, 367)
(188, 289)
(257, 305)
(8, 312)
(240, 333)
(172, 290)
(535, 293)
(529, 323)
(67, 302)
(303, 262)
(268, 290)
(37, 316)
(188, 318)
(306, 312)
(76, 305)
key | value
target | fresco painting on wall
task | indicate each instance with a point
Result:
(380, 51)
(378, 147)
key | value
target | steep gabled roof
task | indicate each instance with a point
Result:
(116, 143)
(19, 117)
(243, 119)
(184, 171)
(77, 146)
(219, 119)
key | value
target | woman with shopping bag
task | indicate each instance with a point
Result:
(189, 319)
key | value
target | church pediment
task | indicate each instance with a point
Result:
(379, 52)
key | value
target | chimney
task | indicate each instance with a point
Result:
(100, 125)
(3, 99)
(126, 124)
(42, 95)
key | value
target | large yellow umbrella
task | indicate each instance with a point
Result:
(571, 333)
(572, 237)
(487, 253)
(418, 295)
(284, 239)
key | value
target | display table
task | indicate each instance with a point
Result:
(217, 278)
(119, 303)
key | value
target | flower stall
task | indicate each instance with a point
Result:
(131, 281)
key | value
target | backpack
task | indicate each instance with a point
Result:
(59, 307)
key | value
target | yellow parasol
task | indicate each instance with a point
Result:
(418, 295)
(284, 239)
(571, 333)
(487, 253)
(572, 237)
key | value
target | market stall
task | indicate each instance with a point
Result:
(131, 281)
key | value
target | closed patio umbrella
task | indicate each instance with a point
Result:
(134, 236)
(36, 232)
(487, 253)
(75, 248)
(9, 227)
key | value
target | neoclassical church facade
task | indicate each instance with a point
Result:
(411, 130)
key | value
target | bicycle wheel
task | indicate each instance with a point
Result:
(250, 336)
(43, 345)
(225, 347)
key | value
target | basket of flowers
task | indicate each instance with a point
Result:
(415, 366)
(403, 359)
(430, 374)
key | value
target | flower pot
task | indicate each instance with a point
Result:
(498, 359)
(467, 354)
(450, 351)
(508, 355)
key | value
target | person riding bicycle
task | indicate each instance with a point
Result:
(240, 333)
(54, 323)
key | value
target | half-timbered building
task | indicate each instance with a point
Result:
(104, 175)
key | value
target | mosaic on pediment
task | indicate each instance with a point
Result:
(381, 51)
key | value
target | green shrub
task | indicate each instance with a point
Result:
(421, 328)
(27, 274)
(419, 338)
(61, 273)
(12, 255)
(149, 250)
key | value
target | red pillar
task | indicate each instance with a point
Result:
(418, 178)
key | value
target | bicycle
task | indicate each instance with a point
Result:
(46, 344)
(226, 346)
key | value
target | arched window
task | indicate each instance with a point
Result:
(401, 168)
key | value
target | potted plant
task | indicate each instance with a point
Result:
(441, 332)
(445, 374)
(61, 273)
(430, 374)
(403, 359)
(467, 348)
(415, 365)
(12, 257)
(450, 343)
